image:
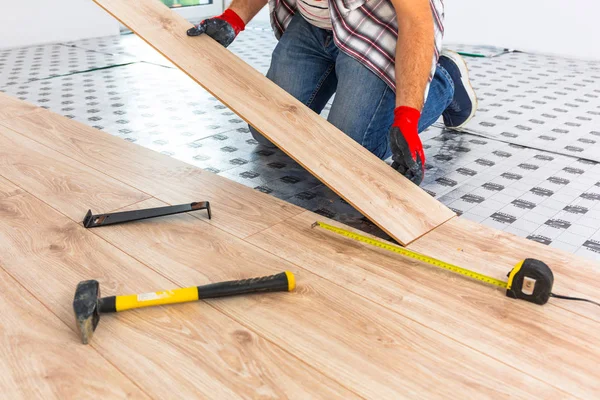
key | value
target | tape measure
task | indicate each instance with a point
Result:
(529, 280)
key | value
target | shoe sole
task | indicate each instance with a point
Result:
(464, 78)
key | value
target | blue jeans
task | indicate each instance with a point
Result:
(308, 65)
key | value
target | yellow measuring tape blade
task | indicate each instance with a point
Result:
(414, 255)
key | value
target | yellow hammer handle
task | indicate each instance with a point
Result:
(156, 298)
(284, 281)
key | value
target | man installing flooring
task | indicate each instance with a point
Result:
(382, 59)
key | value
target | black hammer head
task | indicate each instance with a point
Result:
(85, 306)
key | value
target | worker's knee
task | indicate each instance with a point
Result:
(260, 138)
(380, 147)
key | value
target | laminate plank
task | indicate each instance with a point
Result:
(373, 351)
(8, 189)
(63, 183)
(180, 351)
(237, 209)
(494, 253)
(38, 359)
(476, 315)
(399, 207)
(11, 107)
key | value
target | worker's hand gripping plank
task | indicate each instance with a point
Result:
(88, 304)
(387, 198)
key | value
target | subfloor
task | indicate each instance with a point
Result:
(526, 164)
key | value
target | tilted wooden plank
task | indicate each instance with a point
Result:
(474, 314)
(183, 351)
(373, 351)
(11, 107)
(62, 182)
(388, 199)
(493, 252)
(237, 209)
(40, 360)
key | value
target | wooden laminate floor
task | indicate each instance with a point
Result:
(362, 323)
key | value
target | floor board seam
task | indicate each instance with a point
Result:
(70, 328)
(75, 160)
(192, 167)
(550, 304)
(258, 333)
(429, 231)
(302, 211)
(21, 115)
(130, 205)
(409, 318)
(175, 283)
(226, 314)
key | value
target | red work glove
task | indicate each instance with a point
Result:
(407, 149)
(223, 28)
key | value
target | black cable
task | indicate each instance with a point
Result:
(558, 296)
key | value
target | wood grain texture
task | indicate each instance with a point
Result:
(65, 184)
(476, 315)
(8, 189)
(38, 359)
(182, 351)
(375, 352)
(494, 253)
(11, 107)
(237, 209)
(388, 199)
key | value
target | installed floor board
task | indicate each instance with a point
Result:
(62, 182)
(182, 351)
(494, 253)
(371, 350)
(388, 199)
(11, 107)
(38, 359)
(236, 208)
(467, 311)
(7, 189)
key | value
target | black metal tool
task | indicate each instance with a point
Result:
(92, 221)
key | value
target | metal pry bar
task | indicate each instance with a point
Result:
(92, 221)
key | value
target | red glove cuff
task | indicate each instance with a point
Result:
(233, 19)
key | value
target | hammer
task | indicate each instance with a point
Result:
(88, 304)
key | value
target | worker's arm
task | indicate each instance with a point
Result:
(414, 54)
(414, 51)
(225, 27)
(247, 9)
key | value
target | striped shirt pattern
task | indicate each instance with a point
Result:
(366, 30)
(316, 12)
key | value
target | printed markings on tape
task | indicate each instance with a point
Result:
(530, 280)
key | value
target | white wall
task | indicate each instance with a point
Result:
(563, 27)
(29, 22)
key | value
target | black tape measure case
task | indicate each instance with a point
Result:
(530, 280)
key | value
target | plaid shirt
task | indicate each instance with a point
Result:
(366, 30)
